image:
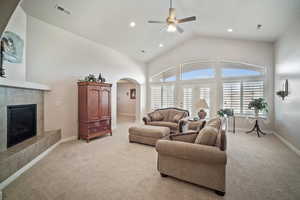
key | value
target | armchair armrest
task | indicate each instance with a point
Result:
(190, 151)
(146, 119)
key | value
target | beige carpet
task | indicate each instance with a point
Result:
(110, 168)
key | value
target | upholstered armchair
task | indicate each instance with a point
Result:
(167, 117)
(180, 156)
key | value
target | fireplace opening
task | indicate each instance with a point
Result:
(21, 123)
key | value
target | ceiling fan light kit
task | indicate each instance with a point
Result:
(172, 22)
(172, 28)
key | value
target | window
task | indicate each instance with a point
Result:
(205, 94)
(197, 71)
(234, 72)
(251, 90)
(240, 70)
(191, 95)
(166, 76)
(155, 97)
(168, 96)
(188, 99)
(232, 96)
(237, 95)
(162, 97)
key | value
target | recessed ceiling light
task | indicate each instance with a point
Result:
(143, 51)
(161, 45)
(132, 24)
(259, 27)
(229, 30)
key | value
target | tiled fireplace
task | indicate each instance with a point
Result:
(22, 135)
(15, 105)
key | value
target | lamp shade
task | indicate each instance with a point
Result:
(201, 104)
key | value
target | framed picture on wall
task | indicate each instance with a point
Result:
(132, 93)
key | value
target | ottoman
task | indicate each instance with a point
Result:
(147, 134)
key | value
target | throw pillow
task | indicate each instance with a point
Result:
(177, 117)
(207, 136)
(156, 116)
(214, 122)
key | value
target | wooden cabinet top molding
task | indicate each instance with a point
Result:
(94, 84)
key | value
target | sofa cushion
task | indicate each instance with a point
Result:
(156, 116)
(207, 136)
(214, 122)
(170, 125)
(178, 117)
(172, 113)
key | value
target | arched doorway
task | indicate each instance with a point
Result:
(128, 100)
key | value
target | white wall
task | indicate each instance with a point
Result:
(17, 24)
(59, 58)
(125, 105)
(218, 49)
(287, 112)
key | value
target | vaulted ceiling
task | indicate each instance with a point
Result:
(107, 22)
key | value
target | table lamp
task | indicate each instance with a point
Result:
(201, 105)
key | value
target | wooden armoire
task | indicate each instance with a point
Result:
(94, 110)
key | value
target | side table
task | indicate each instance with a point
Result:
(256, 128)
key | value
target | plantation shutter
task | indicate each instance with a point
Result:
(156, 97)
(251, 90)
(232, 96)
(205, 94)
(188, 99)
(168, 96)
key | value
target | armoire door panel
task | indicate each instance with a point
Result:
(94, 106)
(105, 102)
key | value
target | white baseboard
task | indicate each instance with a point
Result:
(287, 143)
(14, 176)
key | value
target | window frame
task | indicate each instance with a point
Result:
(215, 84)
(242, 80)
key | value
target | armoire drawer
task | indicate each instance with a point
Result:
(98, 123)
(98, 129)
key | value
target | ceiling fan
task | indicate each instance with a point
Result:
(171, 21)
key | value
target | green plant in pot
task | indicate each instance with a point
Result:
(259, 104)
(225, 112)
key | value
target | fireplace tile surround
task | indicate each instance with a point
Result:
(16, 157)
(19, 96)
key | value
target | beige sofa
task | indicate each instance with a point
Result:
(180, 157)
(167, 117)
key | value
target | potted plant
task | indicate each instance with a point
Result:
(225, 112)
(259, 105)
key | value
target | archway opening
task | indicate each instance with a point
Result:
(128, 100)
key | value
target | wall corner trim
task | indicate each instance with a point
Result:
(287, 143)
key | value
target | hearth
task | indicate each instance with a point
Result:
(21, 123)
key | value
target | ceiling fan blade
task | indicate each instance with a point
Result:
(188, 19)
(156, 22)
(179, 29)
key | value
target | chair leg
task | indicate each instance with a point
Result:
(220, 193)
(163, 175)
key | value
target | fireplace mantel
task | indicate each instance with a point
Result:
(23, 84)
